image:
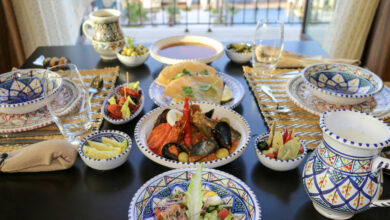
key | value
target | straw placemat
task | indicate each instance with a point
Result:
(109, 78)
(305, 124)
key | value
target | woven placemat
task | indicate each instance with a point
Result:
(109, 78)
(305, 124)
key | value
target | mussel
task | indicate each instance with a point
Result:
(222, 134)
(210, 113)
(203, 148)
(172, 150)
(162, 118)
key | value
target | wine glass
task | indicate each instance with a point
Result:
(267, 45)
(71, 106)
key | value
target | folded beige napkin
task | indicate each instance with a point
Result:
(294, 60)
(43, 156)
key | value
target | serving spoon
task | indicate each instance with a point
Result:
(281, 109)
(96, 86)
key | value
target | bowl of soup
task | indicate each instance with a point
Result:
(178, 49)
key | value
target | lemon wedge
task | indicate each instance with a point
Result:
(227, 94)
(100, 154)
(100, 146)
(108, 141)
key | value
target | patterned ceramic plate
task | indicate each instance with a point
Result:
(24, 122)
(233, 192)
(156, 92)
(304, 98)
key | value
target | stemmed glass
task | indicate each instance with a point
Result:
(267, 45)
(71, 107)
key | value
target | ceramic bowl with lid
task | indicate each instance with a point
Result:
(341, 83)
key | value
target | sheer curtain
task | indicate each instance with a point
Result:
(49, 22)
(348, 30)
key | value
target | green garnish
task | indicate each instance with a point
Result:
(205, 72)
(186, 72)
(177, 76)
(187, 91)
(205, 87)
(134, 85)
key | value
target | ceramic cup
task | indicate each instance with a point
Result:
(343, 175)
(107, 36)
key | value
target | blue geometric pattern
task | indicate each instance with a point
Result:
(18, 90)
(339, 184)
(340, 82)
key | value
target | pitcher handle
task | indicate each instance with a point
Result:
(85, 28)
(380, 163)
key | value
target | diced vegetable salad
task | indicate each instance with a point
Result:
(125, 101)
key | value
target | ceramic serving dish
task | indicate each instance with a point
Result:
(341, 83)
(133, 61)
(157, 46)
(146, 123)
(238, 57)
(275, 164)
(233, 192)
(125, 120)
(110, 163)
(156, 92)
(303, 97)
(22, 92)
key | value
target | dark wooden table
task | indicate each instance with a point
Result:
(84, 193)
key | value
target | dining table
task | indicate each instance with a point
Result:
(84, 193)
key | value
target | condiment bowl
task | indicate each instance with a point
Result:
(125, 120)
(145, 126)
(341, 83)
(133, 61)
(110, 163)
(275, 164)
(238, 57)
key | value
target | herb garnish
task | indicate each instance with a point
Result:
(187, 91)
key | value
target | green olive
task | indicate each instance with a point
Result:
(222, 153)
(183, 157)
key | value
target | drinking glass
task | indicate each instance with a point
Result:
(267, 45)
(71, 106)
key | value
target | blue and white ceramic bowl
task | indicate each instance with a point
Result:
(145, 125)
(110, 163)
(156, 92)
(125, 120)
(341, 83)
(233, 192)
(22, 92)
(275, 164)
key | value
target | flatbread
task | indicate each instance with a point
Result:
(166, 75)
(197, 83)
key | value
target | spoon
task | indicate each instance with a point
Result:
(96, 85)
(267, 91)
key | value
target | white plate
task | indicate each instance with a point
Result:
(302, 96)
(145, 125)
(156, 92)
(189, 39)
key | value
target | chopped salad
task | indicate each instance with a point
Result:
(125, 101)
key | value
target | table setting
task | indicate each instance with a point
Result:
(188, 134)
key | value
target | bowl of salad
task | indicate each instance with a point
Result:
(123, 104)
(280, 151)
(194, 193)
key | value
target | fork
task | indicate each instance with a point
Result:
(281, 109)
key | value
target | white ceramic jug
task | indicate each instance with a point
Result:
(343, 175)
(107, 36)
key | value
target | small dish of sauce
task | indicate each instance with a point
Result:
(187, 50)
